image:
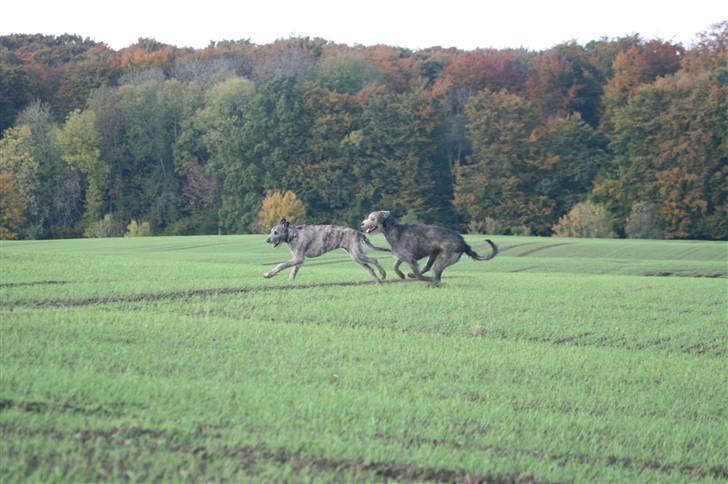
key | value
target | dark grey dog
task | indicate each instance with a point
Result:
(314, 240)
(411, 243)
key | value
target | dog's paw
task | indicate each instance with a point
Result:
(268, 275)
(412, 276)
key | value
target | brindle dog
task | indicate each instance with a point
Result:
(314, 240)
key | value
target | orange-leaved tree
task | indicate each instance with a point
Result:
(12, 207)
(277, 205)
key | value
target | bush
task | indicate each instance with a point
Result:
(277, 205)
(521, 230)
(644, 222)
(487, 226)
(585, 220)
(106, 227)
(136, 229)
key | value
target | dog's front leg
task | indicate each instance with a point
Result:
(285, 265)
(294, 271)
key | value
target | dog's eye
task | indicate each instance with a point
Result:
(275, 232)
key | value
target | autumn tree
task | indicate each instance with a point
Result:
(639, 64)
(88, 71)
(525, 171)
(670, 147)
(291, 58)
(12, 207)
(562, 81)
(276, 206)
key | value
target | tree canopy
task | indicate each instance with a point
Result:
(185, 141)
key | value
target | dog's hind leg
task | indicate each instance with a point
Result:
(371, 271)
(375, 263)
(444, 260)
(416, 271)
(365, 261)
(396, 268)
(361, 258)
(427, 267)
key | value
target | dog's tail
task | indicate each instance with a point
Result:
(475, 255)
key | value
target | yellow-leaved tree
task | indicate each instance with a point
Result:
(277, 205)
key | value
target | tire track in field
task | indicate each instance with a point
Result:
(686, 273)
(184, 294)
(543, 247)
(10, 285)
(397, 471)
(43, 407)
(693, 470)
(509, 247)
(251, 456)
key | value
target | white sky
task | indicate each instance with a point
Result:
(406, 23)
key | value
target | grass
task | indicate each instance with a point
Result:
(173, 359)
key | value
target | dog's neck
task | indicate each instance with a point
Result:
(292, 235)
(390, 228)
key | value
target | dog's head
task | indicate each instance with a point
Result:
(376, 221)
(278, 233)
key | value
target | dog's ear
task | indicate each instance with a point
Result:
(387, 218)
(286, 223)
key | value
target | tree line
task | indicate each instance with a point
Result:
(618, 137)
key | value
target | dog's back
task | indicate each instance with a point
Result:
(421, 240)
(315, 240)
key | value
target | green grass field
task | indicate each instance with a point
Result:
(173, 359)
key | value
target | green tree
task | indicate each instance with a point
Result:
(585, 220)
(80, 146)
(326, 179)
(644, 222)
(16, 158)
(567, 154)
(254, 148)
(58, 188)
(344, 73)
(494, 182)
(403, 166)
(14, 81)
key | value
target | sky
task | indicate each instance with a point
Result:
(412, 24)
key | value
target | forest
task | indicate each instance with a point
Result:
(622, 137)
